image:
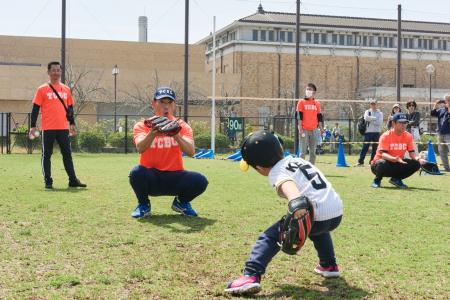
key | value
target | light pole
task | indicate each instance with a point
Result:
(430, 70)
(115, 72)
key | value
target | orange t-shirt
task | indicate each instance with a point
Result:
(310, 108)
(164, 154)
(52, 111)
(393, 144)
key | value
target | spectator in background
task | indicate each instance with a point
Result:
(310, 117)
(412, 127)
(374, 119)
(389, 160)
(335, 134)
(443, 116)
(395, 109)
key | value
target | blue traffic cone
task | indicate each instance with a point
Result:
(431, 155)
(341, 157)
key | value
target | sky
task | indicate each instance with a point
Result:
(117, 19)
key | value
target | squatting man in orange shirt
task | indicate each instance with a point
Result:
(54, 99)
(160, 170)
(389, 160)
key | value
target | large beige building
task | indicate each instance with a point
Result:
(346, 57)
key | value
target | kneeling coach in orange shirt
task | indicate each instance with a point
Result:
(160, 170)
(389, 160)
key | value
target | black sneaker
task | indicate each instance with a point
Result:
(77, 183)
(49, 186)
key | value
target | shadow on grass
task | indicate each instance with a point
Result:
(336, 288)
(337, 176)
(66, 190)
(410, 188)
(193, 224)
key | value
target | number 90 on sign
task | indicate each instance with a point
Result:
(235, 124)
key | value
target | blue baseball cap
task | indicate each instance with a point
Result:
(400, 117)
(164, 92)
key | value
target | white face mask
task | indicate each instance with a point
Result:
(309, 93)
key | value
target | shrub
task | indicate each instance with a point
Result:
(91, 141)
(21, 138)
(199, 127)
(117, 139)
(288, 142)
(204, 141)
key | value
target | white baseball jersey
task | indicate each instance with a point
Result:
(311, 183)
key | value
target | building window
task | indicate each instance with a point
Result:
(370, 41)
(364, 41)
(334, 39)
(420, 44)
(391, 42)
(263, 35)
(316, 38)
(341, 39)
(289, 37)
(349, 40)
(430, 44)
(254, 35)
(323, 38)
(271, 36)
(380, 41)
(233, 36)
(282, 36)
(308, 37)
(444, 45)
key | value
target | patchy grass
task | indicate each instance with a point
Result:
(83, 244)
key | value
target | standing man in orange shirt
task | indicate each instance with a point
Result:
(160, 170)
(310, 117)
(54, 99)
(389, 160)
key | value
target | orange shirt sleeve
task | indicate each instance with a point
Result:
(38, 97)
(186, 131)
(410, 143)
(139, 130)
(69, 98)
(383, 144)
(318, 107)
(300, 106)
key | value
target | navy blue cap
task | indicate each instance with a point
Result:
(400, 117)
(164, 92)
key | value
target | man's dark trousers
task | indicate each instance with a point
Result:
(62, 137)
(383, 168)
(152, 182)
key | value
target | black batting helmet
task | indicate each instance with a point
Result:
(262, 148)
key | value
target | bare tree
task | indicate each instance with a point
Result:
(84, 85)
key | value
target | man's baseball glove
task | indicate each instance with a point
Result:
(430, 168)
(293, 232)
(163, 125)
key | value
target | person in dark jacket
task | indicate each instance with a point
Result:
(413, 117)
(443, 115)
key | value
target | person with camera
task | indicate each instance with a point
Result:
(443, 116)
(55, 102)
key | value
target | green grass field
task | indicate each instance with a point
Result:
(83, 244)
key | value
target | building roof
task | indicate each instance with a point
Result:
(270, 17)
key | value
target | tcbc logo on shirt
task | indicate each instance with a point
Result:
(51, 96)
(310, 107)
(164, 142)
(397, 146)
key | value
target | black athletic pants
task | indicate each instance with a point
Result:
(384, 168)
(62, 137)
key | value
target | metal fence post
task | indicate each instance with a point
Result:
(350, 136)
(8, 133)
(29, 144)
(126, 134)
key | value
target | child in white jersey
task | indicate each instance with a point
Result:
(291, 177)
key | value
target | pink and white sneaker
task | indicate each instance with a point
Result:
(244, 285)
(328, 272)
